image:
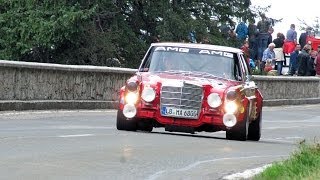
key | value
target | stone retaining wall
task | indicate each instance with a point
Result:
(27, 86)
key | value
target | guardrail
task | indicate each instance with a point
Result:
(38, 86)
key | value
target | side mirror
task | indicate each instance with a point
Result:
(144, 69)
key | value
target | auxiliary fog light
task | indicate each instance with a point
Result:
(129, 110)
(229, 120)
(131, 98)
(231, 107)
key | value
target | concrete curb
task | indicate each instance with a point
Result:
(283, 102)
(56, 104)
(84, 104)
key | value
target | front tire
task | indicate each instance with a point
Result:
(240, 130)
(255, 129)
(144, 126)
(124, 124)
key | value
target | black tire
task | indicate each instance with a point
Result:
(144, 126)
(240, 130)
(124, 124)
(254, 133)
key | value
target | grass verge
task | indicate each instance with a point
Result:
(302, 164)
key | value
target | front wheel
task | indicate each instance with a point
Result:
(240, 130)
(255, 129)
(124, 124)
(143, 126)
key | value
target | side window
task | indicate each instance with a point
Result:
(237, 69)
(244, 68)
(144, 67)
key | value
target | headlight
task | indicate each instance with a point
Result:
(148, 94)
(132, 86)
(231, 95)
(231, 107)
(131, 98)
(214, 100)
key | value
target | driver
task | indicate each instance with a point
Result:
(168, 63)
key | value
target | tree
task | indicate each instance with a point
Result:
(108, 32)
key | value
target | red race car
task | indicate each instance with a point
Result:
(187, 87)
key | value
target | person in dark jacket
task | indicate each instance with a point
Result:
(279, 40)
(311, 64)
(293, 64)
(303, 59)
(253, 40)
(303, 37)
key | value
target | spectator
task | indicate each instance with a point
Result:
(268, 66)
(303, 59)
(291, 40)
(293, 64)
(268, 55)
(192, 37)
(292, 34)
(252, 33)
(270, 31)
(279, 55)
(242, 31)
(224, 28)
(156, 39)
(246, 52)
(311, 61)
(303, 36)
(317, 63)
(263, 35)
(205, 40)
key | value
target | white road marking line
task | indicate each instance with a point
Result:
(293, 137)
(291, 127)
(84, 127)
(247, 173)
(316, 120)
(58, 128)
(279, 140)
(75, 135)
(193, 165)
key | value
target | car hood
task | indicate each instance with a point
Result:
(174, 79)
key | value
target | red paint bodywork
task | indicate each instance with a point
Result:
(208, 115)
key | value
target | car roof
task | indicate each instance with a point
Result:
(200, 46)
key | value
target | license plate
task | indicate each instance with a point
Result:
(177, 112)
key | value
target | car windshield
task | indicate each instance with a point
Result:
(192, 60)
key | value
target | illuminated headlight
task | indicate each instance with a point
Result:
(231, 107)
(129, 110)
(214, 100)
(148, 94)
(229, 120)
(131, 98)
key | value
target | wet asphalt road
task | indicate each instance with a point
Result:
(86, 145)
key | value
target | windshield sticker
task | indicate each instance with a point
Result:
(176, 49)
(194, 51)
(221, 53)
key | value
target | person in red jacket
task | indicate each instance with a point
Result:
(246, 50)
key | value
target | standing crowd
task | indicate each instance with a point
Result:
(267, 54)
